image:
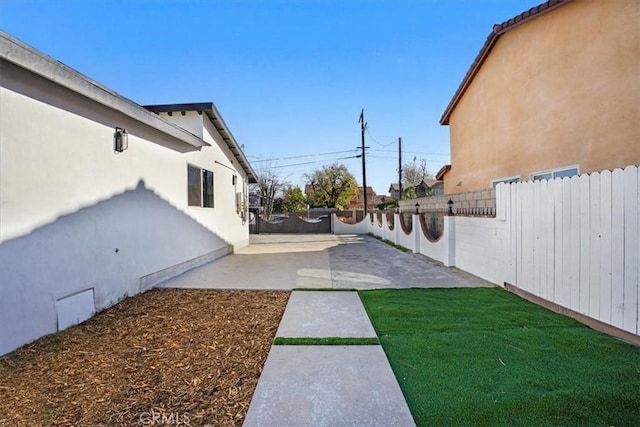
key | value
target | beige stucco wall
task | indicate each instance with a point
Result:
(562, 89)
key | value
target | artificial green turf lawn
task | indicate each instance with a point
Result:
(483, 356)
(326, 341)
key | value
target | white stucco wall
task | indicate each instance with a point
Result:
(74, 215)
(404, 239)
(377, 227)
(438, 249)
(479, 247)
(225, 192)
(190, 120)
(388, 233)
(339, 227)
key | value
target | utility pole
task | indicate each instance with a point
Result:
(363, 127)
(399, 169)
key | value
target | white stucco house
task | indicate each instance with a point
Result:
(100, 197)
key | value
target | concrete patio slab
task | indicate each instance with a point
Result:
(287, 261)
(270, 262)
(325, 314)
(327, 386)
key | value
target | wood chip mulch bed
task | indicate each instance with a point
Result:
(165, 357)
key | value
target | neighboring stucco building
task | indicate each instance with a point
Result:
(553, 92)
(82, 224)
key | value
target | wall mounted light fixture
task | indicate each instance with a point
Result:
(234, 177)
(121, 140)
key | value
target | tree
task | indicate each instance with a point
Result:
(412, 175)
(269, 187)
(409, 193)
(333, 186)
(293, 199)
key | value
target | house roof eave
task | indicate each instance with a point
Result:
(32, 60)
(442, 172)
(218, 123)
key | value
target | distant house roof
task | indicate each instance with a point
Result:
(216, 120)
(34, 61)
(428, 182)
(498, 30)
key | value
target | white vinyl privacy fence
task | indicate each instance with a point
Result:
(571, 241)
(575, 242)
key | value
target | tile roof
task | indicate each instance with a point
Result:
(498, 30)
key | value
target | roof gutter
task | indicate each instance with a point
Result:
(223, 130)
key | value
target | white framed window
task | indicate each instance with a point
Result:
(199, 187)
(507, 180)
(556, 173)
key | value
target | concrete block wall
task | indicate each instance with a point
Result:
(462, 202)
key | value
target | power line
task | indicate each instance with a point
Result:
(374, 156)
(347, 151)
(315, 161)
(302, 156)
(411, 152)
(376, 141)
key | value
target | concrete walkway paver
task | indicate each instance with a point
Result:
(324, 385)
(327, 386)
(325, 314)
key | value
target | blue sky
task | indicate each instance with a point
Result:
(289, 77)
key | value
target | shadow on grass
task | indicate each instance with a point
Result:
(483, 356)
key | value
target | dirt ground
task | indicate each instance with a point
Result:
(165, 357)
